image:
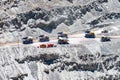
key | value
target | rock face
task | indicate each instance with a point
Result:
(66, 62)
(90, 60)
(35, 17)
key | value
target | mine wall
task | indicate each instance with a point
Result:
(29, 62)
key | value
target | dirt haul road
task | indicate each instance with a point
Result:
(73, 39)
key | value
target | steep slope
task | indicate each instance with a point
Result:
(89, 60)
(67, 62)
(33, 21)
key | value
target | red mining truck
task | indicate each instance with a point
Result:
(49, 45)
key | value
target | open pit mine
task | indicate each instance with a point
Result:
(59, 39)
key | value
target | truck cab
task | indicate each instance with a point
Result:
(89, 34)
(43, 38)
(62, 38)
(105, 39)
(27, 40)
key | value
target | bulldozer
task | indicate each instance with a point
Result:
(105, 39)
(27, 40)
(43, 38)
(89, 34)
(62, 38)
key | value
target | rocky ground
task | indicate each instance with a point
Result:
(20, 18)
(90, 60)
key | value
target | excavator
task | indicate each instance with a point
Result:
(89, 34)
(62, 38)
(27, 40)
(43, 38)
